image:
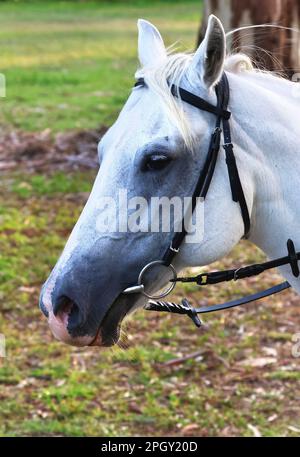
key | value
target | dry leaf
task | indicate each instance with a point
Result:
(258, 362)
(294, 429)
(272, 352)
(190, 428)
(254, 430)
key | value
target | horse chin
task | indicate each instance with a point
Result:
(109, 330)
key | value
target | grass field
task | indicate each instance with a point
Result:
(241, 373)
(70, 65)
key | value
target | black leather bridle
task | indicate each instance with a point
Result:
(222, 125)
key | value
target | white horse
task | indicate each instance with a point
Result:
(157, 146)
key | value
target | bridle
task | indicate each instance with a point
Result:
(202, 186)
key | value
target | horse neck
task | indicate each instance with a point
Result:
(265, 128)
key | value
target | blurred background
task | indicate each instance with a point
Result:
(69, 67)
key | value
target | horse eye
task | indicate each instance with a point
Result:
(156, 162)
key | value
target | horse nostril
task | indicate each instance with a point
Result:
(62, 305)
(65, 308)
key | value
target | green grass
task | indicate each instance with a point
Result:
(43, 185)
(48, 388)
(71, 65)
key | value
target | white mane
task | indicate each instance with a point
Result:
(171, 71)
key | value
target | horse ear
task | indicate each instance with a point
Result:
(151, 47)
(208, 61)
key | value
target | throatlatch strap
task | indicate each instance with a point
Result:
(233, 173)
(236, 187)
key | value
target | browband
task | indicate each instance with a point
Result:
(192, 99)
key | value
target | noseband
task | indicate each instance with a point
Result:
(202, 186)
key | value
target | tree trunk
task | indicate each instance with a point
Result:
(281, 48)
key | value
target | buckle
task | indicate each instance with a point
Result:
(235, 274)
(228, 145)
(174, 249)
(203, 279)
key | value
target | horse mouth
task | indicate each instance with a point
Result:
(108, 333)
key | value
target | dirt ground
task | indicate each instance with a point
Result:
(240, 375)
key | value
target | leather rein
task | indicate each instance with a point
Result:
(202, 186)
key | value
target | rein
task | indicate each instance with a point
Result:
(202, 186)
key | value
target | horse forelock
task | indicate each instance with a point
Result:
(171, 71)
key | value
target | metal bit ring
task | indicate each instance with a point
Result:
(146, 268)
